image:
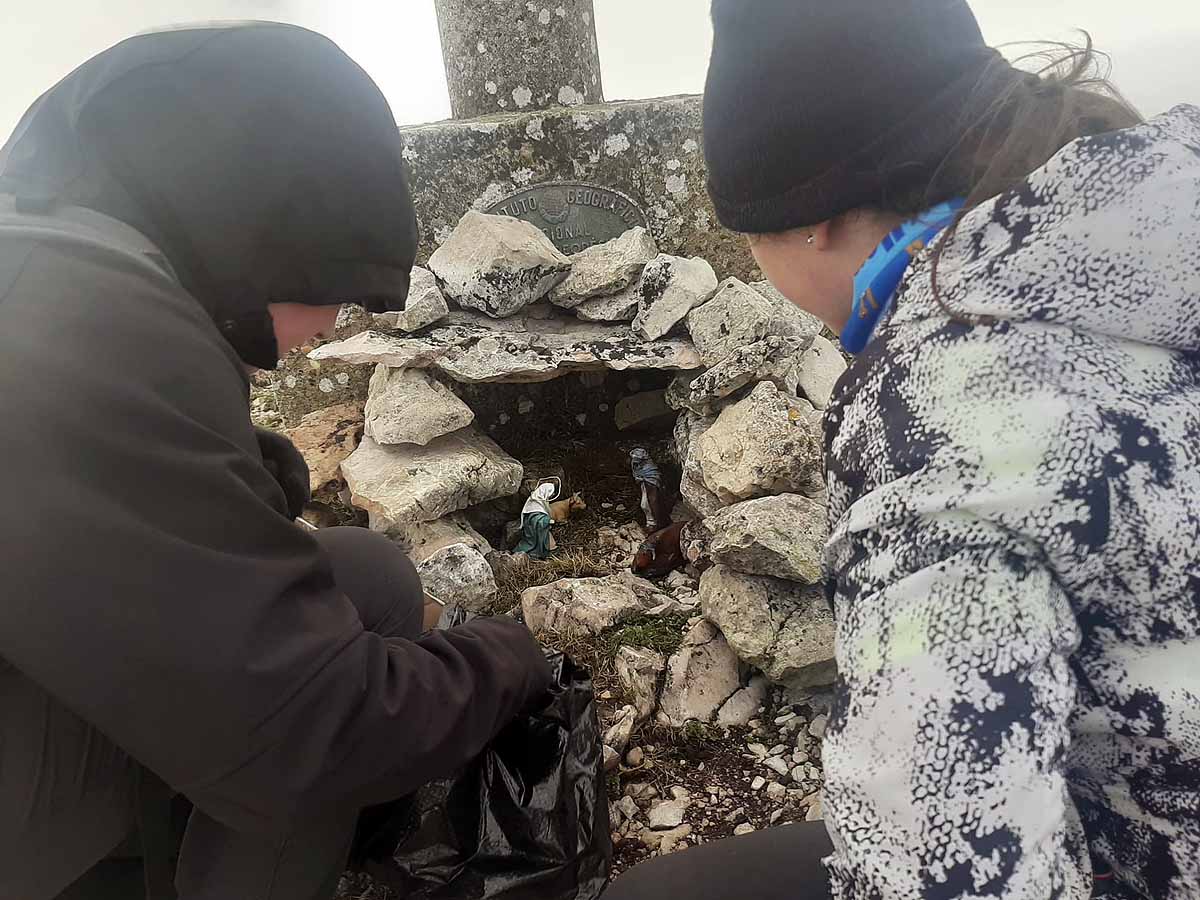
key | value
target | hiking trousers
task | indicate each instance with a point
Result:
(783, 863)
(68, 795)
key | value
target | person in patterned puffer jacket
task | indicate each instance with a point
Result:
(1013, 458)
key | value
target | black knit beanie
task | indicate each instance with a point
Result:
(814, 107)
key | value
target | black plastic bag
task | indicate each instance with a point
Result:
(527, 820)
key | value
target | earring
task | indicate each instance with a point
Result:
(812, 239)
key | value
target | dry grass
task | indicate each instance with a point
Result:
(514, 580)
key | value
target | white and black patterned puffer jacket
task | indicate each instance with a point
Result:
(1015, 557)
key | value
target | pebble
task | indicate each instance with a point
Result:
(736, 816)
(818, 726)
(669, 841)
(635, 757)
(785, 718)
(641, 791)
(744, 828)
(798, 774)
(815, 813)
(612, 759)
(812, 773)
(799, 757)
(776, 791)
(667, 814)
(778, 765)
(628, 807)
(653, 840)
(758, 783)
(754, 723)
(759, 750)
(777, 750)
(776, 816)
(606, 695)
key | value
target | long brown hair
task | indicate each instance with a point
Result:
(1054, 95)
(1051, 96)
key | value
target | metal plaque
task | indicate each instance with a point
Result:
(574, 215)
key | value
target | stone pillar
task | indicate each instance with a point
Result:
(519, 55)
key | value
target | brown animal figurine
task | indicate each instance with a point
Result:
(660, 554)
(561, 511)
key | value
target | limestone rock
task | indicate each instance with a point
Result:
(689, 427)
(654, 601)
(612, 759)
(665, 841)
(781, 536)
(605, 269)
(579, 604)
(426, 304)
(768, 443)
(701, 676)
(743, 706)
(667, 814)
(818, 726)
(641, 410)
(820, 369)
(326, 438)
(620, 307)
(498, 265)
(780, 627)
(352, 319)
(695, 540)
(772, 359)
(421, 540)
(640, 672)
(474, 349)
(620, 733)
(671, 287)
(407, 483)
(409, 406)
(736, 316)
(460, 576)
(789, 320)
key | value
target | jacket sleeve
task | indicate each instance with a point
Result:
(156, 589)
(945, 756)
(944, 761)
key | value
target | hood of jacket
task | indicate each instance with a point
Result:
(260, 159)
(1104, 238)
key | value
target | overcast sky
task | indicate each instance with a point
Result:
(648, 48)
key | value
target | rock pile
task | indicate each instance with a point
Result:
(499, 304)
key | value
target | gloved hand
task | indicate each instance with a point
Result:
(287, 466)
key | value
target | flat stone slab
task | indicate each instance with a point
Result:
(406, 483)
(474, 349)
